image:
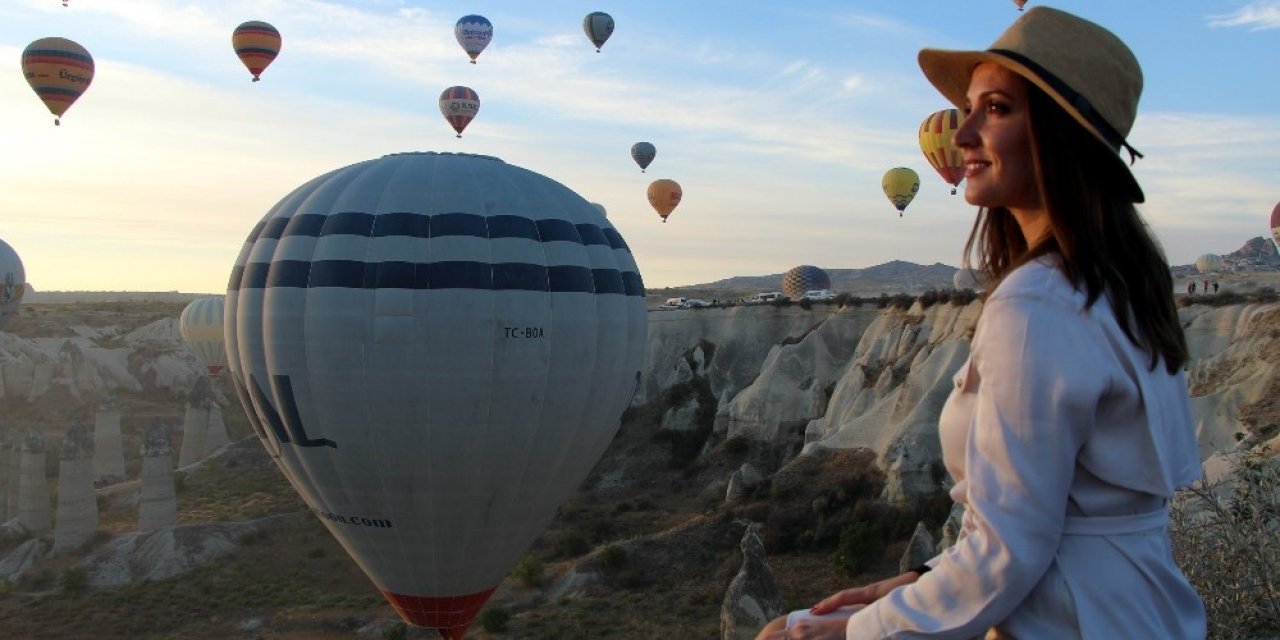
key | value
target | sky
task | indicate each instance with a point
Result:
(778, 120)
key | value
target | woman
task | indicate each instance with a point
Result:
(1069, 428)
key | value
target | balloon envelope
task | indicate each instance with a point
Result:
(201, 327)
(969, 279)
(805, 277)
(664, 195)
(15, 283)
(643, 153)
(936, 141)
(459, 105)
(1209, 263)
(473, 33)
(435, 349)
(256, 44)
(604, 213)
(1020, 3)
(900, 185)
(59, 71)
(598, 26)
(1275, 226)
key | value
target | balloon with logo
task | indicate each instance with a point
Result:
(435, 349)
(937, 134)
(15, 283)
(256, 44)
(201, 328)
(1275, 226)
(473, 32)
(59, 71)
(459, 105)
(1209, 263)
(598, 26)
(900, 185)
(643, 153)
(664, 195)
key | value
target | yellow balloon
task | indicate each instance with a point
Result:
(58, 70)
(664, 195)
(936, 141)
(900, 185)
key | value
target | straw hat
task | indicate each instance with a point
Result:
(1082, 66)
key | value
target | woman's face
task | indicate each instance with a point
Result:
(996, 142)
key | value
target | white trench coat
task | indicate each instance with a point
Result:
(1065, 448)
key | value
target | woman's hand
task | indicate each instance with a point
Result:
(862, 595)
(815, 630)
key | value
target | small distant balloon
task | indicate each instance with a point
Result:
(459, 105)
(473, 33)
(59, 71)
(900, 185)
(937, 134)
(201, 328)
(664, 195)
(805, 277)
(15, 283)
(64, 2)
(643, 153)
(1020, 3)
(257, 44)
(1209, 263)
(969, 278)
(599, 26)
(1275, 226)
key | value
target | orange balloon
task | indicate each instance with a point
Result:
(937, 134)
(59, 71)
(257, 44)
(664, 195)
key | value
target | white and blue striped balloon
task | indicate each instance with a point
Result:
(14, 285)
(473, 32)
(437, 349)
(201, 327)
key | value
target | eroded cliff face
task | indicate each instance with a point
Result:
(864, 377)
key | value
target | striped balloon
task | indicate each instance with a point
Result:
(15, 282)
(59, 71)
(201, 327)
(257, 44)
(459, 105)
(936, 141)
(435, 349)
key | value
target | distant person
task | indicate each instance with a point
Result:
(1215, 286)
(1069, 427)
(1206, 287)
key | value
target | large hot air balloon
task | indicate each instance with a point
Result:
(805, 277)
(599, 26)
(900, 185)
(643, 153)
(15, 283)
(936, 134)
(664, 195)
(1275, 226)
(473, 33)
(969, 278)
(1209, 263)
(435, 349)
(257, 44)
(201, 327)
(459, 105)
(59, 71)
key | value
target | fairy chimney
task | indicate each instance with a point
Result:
(158, 506)
(77, 515)
(108, 447)
(34, 513)
(195, 423)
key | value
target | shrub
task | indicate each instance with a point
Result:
(858, 544)
(74, 580)
(737, 446)
(613, 557)
(399, 631)
(531, 573)
(494, 620)
(572, 545)
(1225, 540)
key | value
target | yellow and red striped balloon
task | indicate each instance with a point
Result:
(59, 71)
(257, 44)
(459, 105)
(937, 134)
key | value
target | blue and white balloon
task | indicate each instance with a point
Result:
(436, 349)
(473, 33)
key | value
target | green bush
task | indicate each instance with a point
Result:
(613, 557)
(531, 573)
(494, 620)
(858, 544)
(74, 580)
(398, 632)
(572, 545)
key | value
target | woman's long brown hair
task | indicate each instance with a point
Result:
(1105, 246)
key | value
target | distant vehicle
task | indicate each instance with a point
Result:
(819, 295)
(695, 303)
(765, 297)
(684, 303)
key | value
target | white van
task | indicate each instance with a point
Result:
(819, 295)
(676, 303)
(765, 297)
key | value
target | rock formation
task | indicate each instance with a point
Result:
(752, 598)
(5, 457)
(158, 506)
(77, 515)
(202, 428)
(13, 451)
(34, 513)
(108, 445)
(919, 549)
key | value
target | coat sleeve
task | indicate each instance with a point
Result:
(1041, 376)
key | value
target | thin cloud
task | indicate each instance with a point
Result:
(1256, 16)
